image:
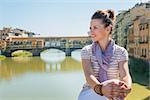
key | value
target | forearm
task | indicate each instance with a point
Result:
(124, 73)
(95, 84)
(92, 81)
(89, 74)
(127, 79)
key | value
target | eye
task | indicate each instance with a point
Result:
(95, 27)
(90, 28)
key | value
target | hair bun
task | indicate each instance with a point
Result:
(111, 14)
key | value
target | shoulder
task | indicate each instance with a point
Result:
(86, 48)
(86, 52)
(121, 53)
(120, 49)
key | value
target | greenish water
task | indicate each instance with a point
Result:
(49, 77)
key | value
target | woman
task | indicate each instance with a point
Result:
(105, 64)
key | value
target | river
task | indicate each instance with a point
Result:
(52, 76)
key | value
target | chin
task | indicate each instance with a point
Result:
(94, 39)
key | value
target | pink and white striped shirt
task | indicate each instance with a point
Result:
(120, 54)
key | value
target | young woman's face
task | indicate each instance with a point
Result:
(98, 30)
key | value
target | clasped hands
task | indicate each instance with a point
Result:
(115, 89)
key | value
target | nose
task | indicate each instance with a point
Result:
(91, 32)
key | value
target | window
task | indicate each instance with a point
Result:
(146, 26)
(141, 51)
(142, 39)
(146, 40)
(143, 27)
(145, 53)
(138, 50)
(135, 51)
(140, 27)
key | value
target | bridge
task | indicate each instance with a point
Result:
(36, 45)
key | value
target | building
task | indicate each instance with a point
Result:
(2, 45)
(139, 38)
(3, 33)
(24, 42)
(9, 32)
(125, 18)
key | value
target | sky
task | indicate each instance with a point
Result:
(56, 17)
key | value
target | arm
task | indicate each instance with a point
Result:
(123, 68)
(93, 82)
(125, 83)
(124, 73)
(125, 77)
(87, 67)
(88, 72)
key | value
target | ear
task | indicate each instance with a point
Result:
(109, 28)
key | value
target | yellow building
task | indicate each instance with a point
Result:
(25, 42)
(2, 45)
(139, 38)
(131, 45)
(125, 18)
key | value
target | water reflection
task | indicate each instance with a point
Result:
(76, 55)
(21, 59)
(49, 61)
(18, 66)
(53, 59)
(53, 67)
(52, 56)
(43, 78)
(40, 78)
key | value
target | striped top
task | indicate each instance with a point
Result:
(120, 54)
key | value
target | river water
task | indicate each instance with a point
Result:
(52, 76)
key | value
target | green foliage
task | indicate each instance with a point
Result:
(21, 53)
(2, 57)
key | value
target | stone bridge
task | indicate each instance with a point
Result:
(37, 45)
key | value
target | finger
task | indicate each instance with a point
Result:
(127, 91)
(121, 94)
(121, 83)
(123, 87)
(112, 82)
(115, 94)
(110, 96)
(111, 85)
(121, 91)
(124, 94)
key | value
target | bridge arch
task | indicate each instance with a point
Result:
(37, 51)
(66, 50)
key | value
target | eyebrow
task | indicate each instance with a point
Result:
(96, 25)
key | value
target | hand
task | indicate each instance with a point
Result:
(120, 90)
(115, 88)
(124, 89)
(108, 87)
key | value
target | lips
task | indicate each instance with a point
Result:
(93, 36)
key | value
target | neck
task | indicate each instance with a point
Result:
(104, 43)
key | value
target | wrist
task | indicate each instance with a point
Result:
(98, 89)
